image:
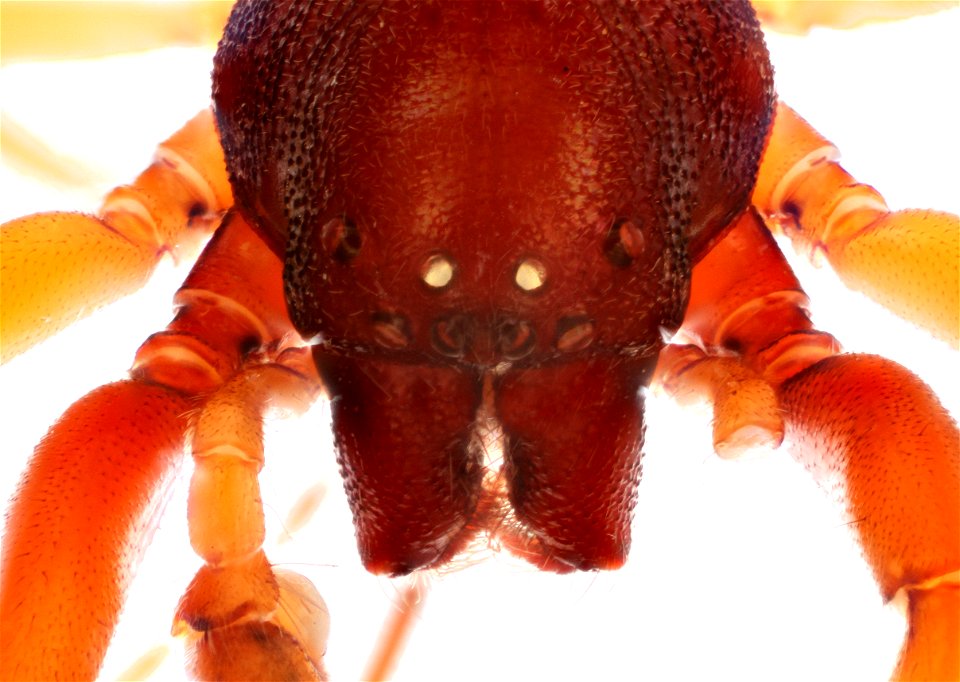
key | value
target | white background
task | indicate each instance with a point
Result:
(738, 571)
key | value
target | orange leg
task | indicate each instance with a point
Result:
(77, 526)
(79, 30)
(490, 657)
(746, 330)
(874, 432)
(799, 17)
(96, 485)
(399, 624)
(869, 430)
(58, 267)
(909, 261)
(247, 620)
(251, 622)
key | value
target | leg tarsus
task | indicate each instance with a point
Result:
(246, 621)
(400, 621)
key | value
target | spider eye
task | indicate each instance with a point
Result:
(391, 330)
(531, 274)
(624, 243)
(516, 339)
(574, 333)
(340, 239)
(437, 271)
(449, 335)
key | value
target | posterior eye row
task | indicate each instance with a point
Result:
(625, 242)
(531, 274)
(340, 239)
(437, 271)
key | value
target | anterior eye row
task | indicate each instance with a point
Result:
(574, 333)
(392, 330)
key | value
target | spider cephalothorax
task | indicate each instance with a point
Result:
(465, 188)
(470, 225)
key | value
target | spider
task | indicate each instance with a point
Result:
(576, 635)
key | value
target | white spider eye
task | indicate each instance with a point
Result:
(531, 274)
(437, 271)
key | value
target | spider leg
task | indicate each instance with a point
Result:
(97, 483)
(905, 260)
(868, 430)
(28, 154)
(58, 267)
(250, 620)
(76, 528)
(874, 431)
(80, 30)
(397, 628)
(233, 347)
(746, 330)
(799, 17)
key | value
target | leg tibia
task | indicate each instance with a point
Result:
(909, 262)
(57, 265)
(870, 431)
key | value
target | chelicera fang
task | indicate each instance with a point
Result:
(448, 345)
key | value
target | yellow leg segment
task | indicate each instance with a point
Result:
(245, 620)
(59, 267)
(76, 30)
(908, 261)
(790, 16)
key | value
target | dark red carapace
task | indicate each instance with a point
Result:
(488, 213)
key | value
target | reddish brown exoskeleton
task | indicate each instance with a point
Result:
(508, 204)
(487, 212)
